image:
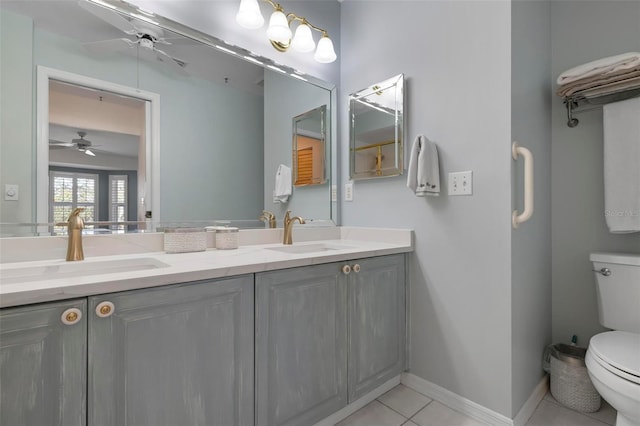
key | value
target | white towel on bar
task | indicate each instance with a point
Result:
(622, 165)
(601, 66)
(423, 173)
(283, 184)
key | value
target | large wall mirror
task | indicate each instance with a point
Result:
(376, 130)
(189, 129)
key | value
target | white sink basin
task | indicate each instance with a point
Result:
(76, 269)
(307, 248)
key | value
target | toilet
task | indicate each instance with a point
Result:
(613, 357)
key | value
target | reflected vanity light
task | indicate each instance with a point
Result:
(276, 69)
(279, 30)
(254, 60)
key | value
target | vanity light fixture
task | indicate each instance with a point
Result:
(279, 30)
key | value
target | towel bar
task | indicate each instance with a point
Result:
(517, 219)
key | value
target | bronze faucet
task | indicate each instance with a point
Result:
(288, 224)
(268, 216)
(74, 231)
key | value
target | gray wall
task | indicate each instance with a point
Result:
(531, 242)
(313, 201)
(456, 58)
(593, 30)
(17, 147)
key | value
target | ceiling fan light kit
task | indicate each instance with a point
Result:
(279, 30)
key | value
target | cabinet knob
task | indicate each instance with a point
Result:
(346, 269)
(71, 316)
(105, 309)
(356, 268)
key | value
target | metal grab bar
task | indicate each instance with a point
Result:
(517, 219)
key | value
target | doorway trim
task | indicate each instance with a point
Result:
(152, 142)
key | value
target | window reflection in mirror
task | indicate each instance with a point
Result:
(377, 130)
(309, 132)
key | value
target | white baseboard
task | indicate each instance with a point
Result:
(531, 404)
(472, 409)
(455, 401)
(359, 403)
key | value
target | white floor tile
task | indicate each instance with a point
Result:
(436, 414)
(374, 414)
(606, 414)
(404, 400)
(549, 413)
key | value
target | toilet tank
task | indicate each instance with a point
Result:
(618, 292)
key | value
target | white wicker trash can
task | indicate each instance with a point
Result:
(570, 382)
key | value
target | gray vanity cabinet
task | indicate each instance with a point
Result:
(301, 345)
(174, 355)
(326, 335)
(43, 364)
(377, 318)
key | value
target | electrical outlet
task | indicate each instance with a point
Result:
(348, 191)
(461, 183)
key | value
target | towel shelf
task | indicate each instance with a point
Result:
(581, 102)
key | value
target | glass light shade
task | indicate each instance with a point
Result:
(303, 40)
(279, 28)
(249, 15)
(325, 53)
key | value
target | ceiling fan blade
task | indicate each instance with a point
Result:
(110, 17)
(174, 63)
(89, 152)
(53, 142)
(109, 46)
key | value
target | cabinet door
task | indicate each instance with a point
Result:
(376, 323)
(43, 365)
(301, 344)
(175, 355)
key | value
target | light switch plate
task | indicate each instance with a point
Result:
(334, 193)
(348, 191)
(461, 183)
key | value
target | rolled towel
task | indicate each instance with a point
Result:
(601, 66)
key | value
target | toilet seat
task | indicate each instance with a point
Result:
(619, 353)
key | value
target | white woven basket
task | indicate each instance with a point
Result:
(571, 385)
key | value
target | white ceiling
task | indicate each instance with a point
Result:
(65, 17)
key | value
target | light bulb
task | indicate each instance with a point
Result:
(249, 15)
(279, 30)
(325, 53)
(303, 40)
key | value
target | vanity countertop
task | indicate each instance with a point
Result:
(159, 268)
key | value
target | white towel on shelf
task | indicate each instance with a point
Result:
(601, 66)
(282, 189)
(622, 165)
(423, 173)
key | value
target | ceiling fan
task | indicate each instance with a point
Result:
(82, 144)
(144, 41)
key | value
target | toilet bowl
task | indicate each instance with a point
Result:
(613, 357)
(613, 364)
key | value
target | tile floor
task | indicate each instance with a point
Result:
(406, 407)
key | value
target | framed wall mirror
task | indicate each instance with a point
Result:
(376, 130)
(309, 149)
(223, 118)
